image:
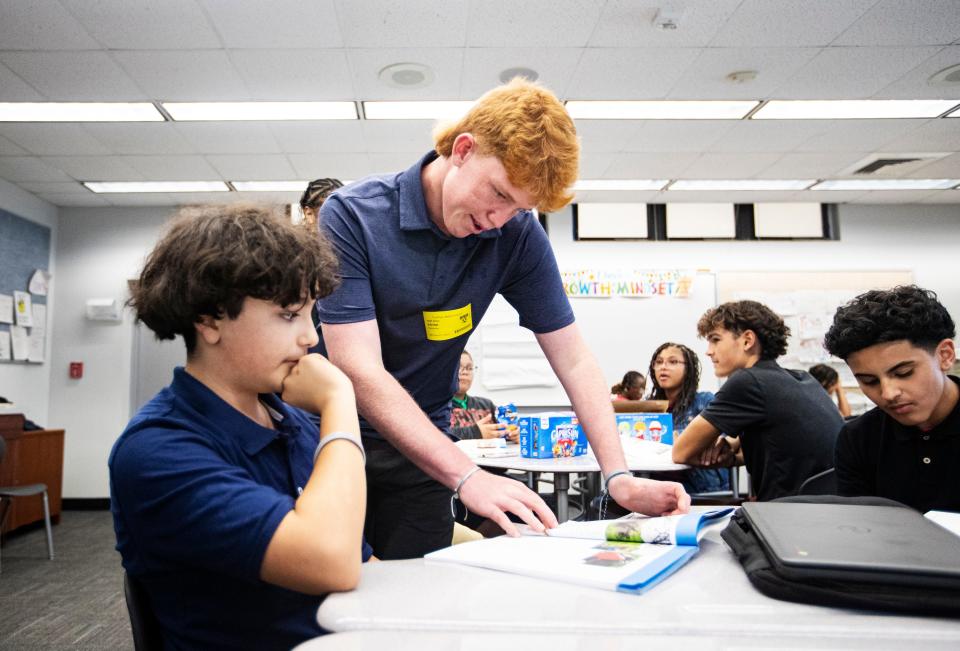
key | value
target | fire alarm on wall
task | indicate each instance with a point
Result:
(76, 370)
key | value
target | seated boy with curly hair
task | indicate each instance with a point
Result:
(899, 345)
(783, 425)
(230, 511)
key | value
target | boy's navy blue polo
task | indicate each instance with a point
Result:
(197, 492)
(395, 263)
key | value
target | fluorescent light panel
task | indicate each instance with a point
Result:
(79, 112)
(659, 110)
(110, 187)
(207, 111)
(427, 110)
(853, 109)
(887, 184)
(619, 184)
(728, 185)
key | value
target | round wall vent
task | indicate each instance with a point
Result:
(946, 77)
(406, 75)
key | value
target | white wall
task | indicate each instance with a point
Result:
(27, 384)
(99, 249)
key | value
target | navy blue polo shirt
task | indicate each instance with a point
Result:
(396, 264)
(197, 492)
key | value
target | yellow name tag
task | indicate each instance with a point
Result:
(448, 324)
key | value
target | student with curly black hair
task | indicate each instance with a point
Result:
(783, 425)
(899, 345)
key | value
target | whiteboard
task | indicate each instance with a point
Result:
(622, 332)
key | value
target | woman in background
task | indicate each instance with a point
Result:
(675, 376)
(630, 387)
(829, 379)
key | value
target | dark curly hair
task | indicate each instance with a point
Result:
(689, 386)
(630, 380)
(740, 316)
(213, 257)
(827, 376)
(906, 312)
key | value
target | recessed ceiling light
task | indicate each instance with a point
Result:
(887, 184)
(406, 75)
(79, 112)
(745, 184)
(659, 110)
(206, 111)
(845, 109)
(109, 187)
(519, 71)
(269, 186)
(947, 77)
(619, 184)
(426, 110)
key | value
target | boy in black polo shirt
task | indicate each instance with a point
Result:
(899, 345)
(786, 423)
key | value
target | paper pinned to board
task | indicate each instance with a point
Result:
(6, 308)
(20, 343)
(22, 308)
(39, 282)
(4, 346)
(517, 373)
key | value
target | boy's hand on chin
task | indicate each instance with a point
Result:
(314, 382)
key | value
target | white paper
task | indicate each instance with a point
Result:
(22, 308)
(38, 334)
(39, 282)
(517, 373)
(4, 346)
(20, 342)
(6, 308)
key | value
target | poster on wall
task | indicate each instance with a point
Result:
(632, 283)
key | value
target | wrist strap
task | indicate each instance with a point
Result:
(346, 436)
(616, 473)
(456, 492)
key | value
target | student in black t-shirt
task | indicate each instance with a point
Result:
(899, 345)
(782, 422)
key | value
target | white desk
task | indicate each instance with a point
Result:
(644, 457)
(708, 599)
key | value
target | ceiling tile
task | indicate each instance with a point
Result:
(399, 23)
(859, 135)
(767, 135)
(72, 187)
(905, 22)
(145, 24)
(74, 200)
(650, 165)
(608, 135)
(185, 75)
(852, 72)
(831, 196)
(504, 23)
(933, 135)
(15, 89)
(319, 137)
(27, 168)
(706, 78)
(896, 196)
(394, 136)
(240, 23)
(53, 139)
(247, 167)
(620, 196)
(915, 84)
(810, 165)
(96, 168)
(295, 75)
(145, 199)
(7, 148)
(482, 67)
(338, 166)
(74, 76)
(629, 23)
(392, 162)
(276, 198)
(594, 165)
(789, 23)
(945, 196)
(682, 196)
(678, 135)
(173, 168)
(945, 168)
(229, 137)
(41, 26)
(629, 73)
(140, 138)
(728, 166)
(446, 64)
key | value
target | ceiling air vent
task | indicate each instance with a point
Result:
(891, 165)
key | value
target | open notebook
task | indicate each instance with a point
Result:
(630, 554)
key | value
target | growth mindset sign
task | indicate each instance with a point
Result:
(636, 283)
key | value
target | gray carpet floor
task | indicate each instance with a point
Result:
(74, 601)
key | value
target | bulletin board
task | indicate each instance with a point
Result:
(807, 302)
(622, 332)
(24, 248)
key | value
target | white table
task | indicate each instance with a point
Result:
(644, 457)
(709, 600)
